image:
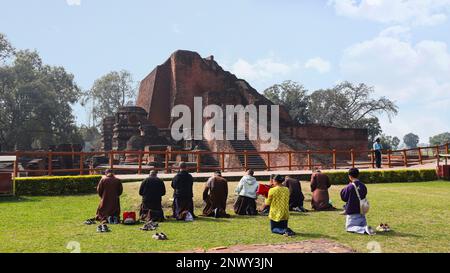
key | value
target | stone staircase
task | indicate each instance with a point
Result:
(254, 161)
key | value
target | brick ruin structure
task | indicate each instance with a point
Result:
(186, 75)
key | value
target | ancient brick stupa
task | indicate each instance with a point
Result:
(186, 75)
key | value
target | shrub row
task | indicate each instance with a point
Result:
(57, 185)
(86, 184)
(385, 176)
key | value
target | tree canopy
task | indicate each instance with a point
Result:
(108, 93)
(35, 101)
(440, 139)
(345, 105)
(411, 140)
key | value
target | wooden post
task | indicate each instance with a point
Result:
(437, 152)
(245, 160)
(405, 158)
(420, 156)
(140, 162)
(166, 163)
(268, 161)
(290, 160)
(309, 159)
(389, 158)
(352, 156)
(50, 163)
(334, 159)
(16, 165)
(222, 161)
(81, 163)
(111, 160)
(446, 148)
(198, 161)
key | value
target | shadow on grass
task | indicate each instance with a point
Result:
(15, 199)
(393, 233)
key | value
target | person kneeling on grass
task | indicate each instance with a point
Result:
(296, 196)
(152, 190)
(109, 189)
(215, 196)
(278, 200)
(356, 221)
(246, 189)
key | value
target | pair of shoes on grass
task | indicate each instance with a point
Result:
(160, 236)
(383, 228)
(103, 228)
(150, 225)
(89, 221)
(299, 209)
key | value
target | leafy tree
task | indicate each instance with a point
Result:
(91, 136)
(440, 139)
(395, 143)
(389, 142)
(108, 93)
(293, 97)
(346, 105)
(411, 140)
(35, 103)
(6, 49)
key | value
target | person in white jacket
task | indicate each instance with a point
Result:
(246, 189)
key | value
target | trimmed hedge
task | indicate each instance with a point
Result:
(385, 176)
(57, 185)
(86, 184)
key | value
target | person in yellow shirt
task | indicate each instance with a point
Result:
(278, 200)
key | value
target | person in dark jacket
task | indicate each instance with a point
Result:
(109, 189)
(320, 183)
(296, 196)
(182, 184)
(152, 190)
(215, 196)
(355, 222)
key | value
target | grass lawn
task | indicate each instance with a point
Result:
(419, 214)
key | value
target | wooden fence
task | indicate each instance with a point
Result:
(391, 158)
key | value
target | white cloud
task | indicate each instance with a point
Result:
(73, 2)
(318, 64)
(414, 12)
(415, 75)
(262, 69)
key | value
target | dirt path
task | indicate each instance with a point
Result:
(309, 246)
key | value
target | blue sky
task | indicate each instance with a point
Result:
(399, 47)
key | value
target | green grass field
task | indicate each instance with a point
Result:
(419, 214)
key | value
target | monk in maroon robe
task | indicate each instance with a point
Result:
(109, 189)
(319, 188)
(215, 196)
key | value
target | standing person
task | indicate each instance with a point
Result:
(246, 189)
(109, 189)
(215, 196)
(296, 196)
(378, 148)
(355, 222)
(152, 190)
(278, 200)
(182, 184)
(320, 183)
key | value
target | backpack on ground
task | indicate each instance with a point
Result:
(129, 218)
